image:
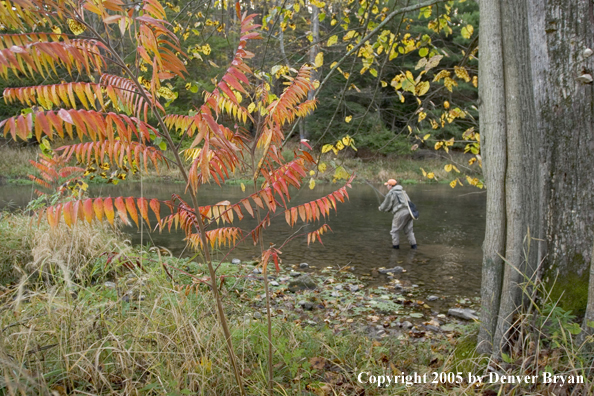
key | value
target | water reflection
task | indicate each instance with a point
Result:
(449, 232)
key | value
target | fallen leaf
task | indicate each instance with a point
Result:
(317, 363)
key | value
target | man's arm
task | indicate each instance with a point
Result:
(388, 203)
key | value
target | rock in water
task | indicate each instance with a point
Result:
(304, 282)
(463, 313)
(303, 265)
(395, 270)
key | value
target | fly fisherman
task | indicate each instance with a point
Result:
(396, 202)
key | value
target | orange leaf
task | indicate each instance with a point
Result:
(130, 205)
(143, 207)
(88, 209)
(68, 213)
(98, 208)
(121, 207)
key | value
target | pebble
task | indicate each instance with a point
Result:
(111, 285)
(463, 313)
(257, 271)
(236, 261)
(415, 285)
(432, 298)
(407, 324)
(295, 274)
(274, 283)
(395, 270)
(335, 294)
(441, 316)
(308, 306)
(354, 288)
(379, 327)
(303, 265)
(338, 287)
(257, 315)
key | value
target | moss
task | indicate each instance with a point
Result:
(465, 355)
(571, 291)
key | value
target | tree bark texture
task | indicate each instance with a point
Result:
(568, 112)
(493, 143)
(548, 113)
(521, 179)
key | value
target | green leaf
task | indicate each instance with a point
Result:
(423, 52)
(506, 358)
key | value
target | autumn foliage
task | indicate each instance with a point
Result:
(117, 118)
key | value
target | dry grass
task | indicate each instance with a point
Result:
(39, 252)
(14, 161)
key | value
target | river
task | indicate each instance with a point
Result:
(449, 232)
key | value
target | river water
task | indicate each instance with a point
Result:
(449, 232)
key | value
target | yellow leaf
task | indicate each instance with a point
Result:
(446, 105)
(56, 29)
(427, 136)
(449, 83)
(242, 187)
(453, 183)
(348, 119)
(475, 81)
(384, 84)
(76, 27)
(333, 64)
(448, 168)
(422, 116)
(333, 22)
(326, 148)
(438, 145)
(332, 40)
(319, 59)
(251, 107)
(312, 172)
(422, 88)
(322, 167)
(467, 31)
(424, 173)
(431, 175)
(316, 84)
(312, 183)
(462, 73)
(471, 161)
(339, 145)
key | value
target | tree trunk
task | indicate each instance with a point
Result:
(313, 52)
(493, 143)
(589, 316)
(549, 195)
(570, 134)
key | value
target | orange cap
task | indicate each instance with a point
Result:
(391, 182)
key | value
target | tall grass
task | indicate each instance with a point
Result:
(41, 253)
(14, 161)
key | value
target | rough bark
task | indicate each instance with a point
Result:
(589, 316)
(493, 143)
(548, 115)
(570, 134)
